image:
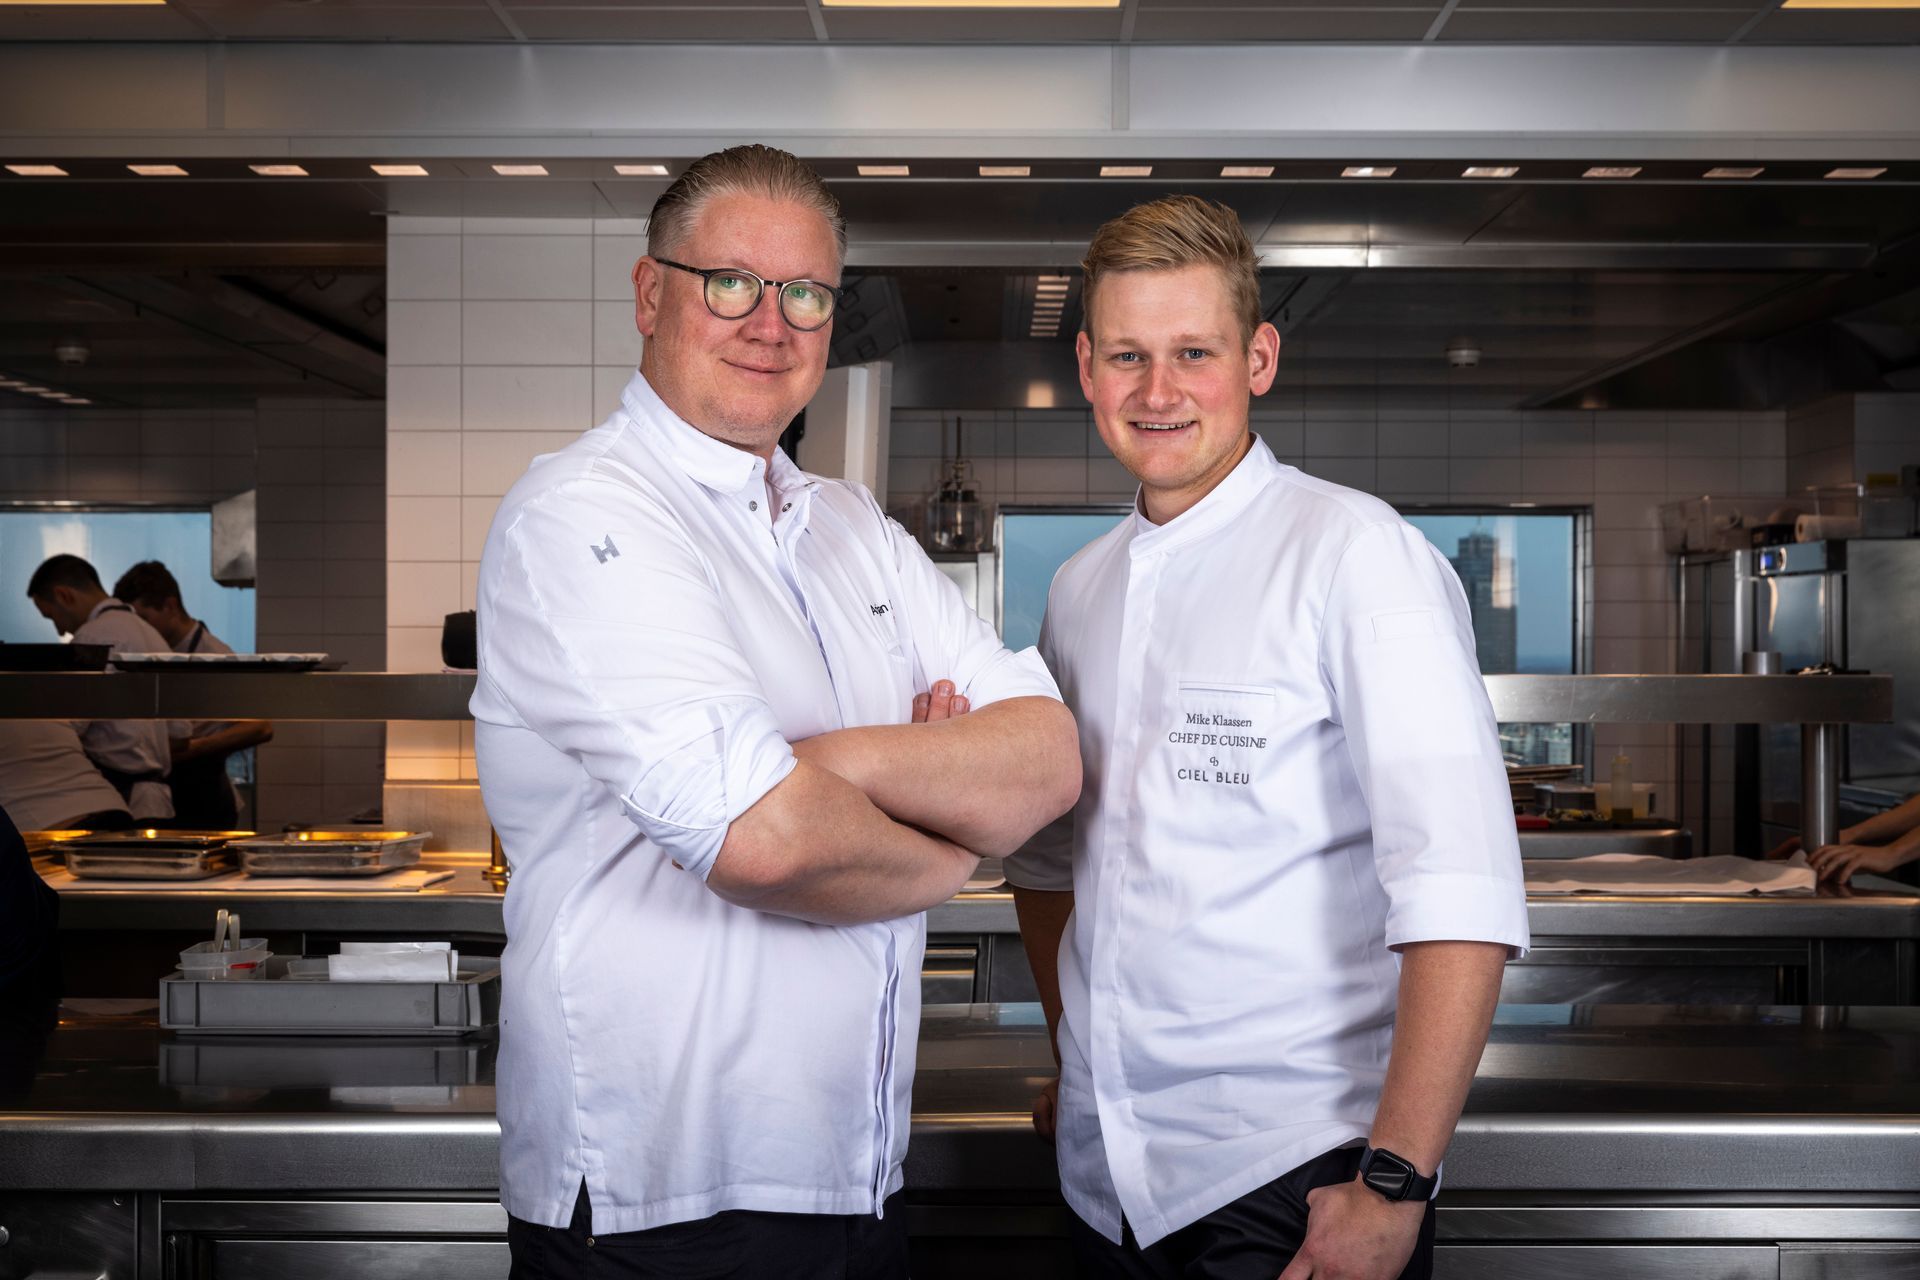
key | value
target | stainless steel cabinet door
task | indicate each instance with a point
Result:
(360, 1259)
(1605, 1262)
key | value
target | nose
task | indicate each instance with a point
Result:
(1160, 390)
(765, 323)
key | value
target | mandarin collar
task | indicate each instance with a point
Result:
(1228, 498)
(713, 463)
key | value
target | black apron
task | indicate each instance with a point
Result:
(203, 799)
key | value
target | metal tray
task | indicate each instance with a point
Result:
(275, 1005)
(54, 657)
(153, 840)
(147, 864)
(331, 853)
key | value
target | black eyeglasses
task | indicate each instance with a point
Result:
(733, 293)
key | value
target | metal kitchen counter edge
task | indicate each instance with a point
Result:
(1569, 1099)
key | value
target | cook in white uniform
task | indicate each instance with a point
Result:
(48, 784)
(1295, 816)
(203, 793)
(711, 995)
(131, 754)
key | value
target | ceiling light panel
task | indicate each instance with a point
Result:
(1613, 171)
(970, 4)
(1851, 4)
(1734, 171)
(1844, 172)
(1490, 171)
(885, 171)
(400, 170)
(1006, 170)
(1246, 171)
(1126, 171)
(641, 170)
(279, 170)
(1369, 171)
(521, 170)
(36, 170)
(157, 170)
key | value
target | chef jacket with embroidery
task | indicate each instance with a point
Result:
(660, 615)
(136, 747)
(1291, 765)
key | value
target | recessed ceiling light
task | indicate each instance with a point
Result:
(400, 170)
(37, 170)
(1612, 171)
(1006, 170)
(1856, 173)
(1126, 171)
(521, 170)
(1057, 288)
(1490, 171)
(278, 170)
(1246, 171)
(1851, 4)
(970, 4)
(48, 393)
(884, 171)
(77, 3)
(1369, 171)
(641, 170)
(158, 170)
(1734, 171)
(29, 389)
(8, 384)
(1055, 279)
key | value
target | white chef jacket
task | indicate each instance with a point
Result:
(130, 746)
(46, 780)
(657, 623)
(1290, 765)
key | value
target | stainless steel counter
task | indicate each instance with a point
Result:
(1568, 1098)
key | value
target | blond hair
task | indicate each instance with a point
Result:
(751, 169)
(1174, 232)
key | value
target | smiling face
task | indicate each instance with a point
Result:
(1168, 372)
(740, 381)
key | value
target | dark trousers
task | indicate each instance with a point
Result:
(736, 1245)
(1254, 1238)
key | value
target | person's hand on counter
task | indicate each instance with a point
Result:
(1838, 862)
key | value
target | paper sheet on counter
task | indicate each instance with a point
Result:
(405, 880)
(1646, 873)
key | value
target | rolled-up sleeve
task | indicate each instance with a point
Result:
(628, 663)
(955, 642)
(1398, 656)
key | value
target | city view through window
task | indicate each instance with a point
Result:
(1519, 575)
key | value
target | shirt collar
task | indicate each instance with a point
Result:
(1248, 477)
(714, 463)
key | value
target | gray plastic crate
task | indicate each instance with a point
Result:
(283, 1062)
(275, 1005)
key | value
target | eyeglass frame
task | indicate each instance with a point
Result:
(778, 286)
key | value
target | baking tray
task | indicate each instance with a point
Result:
(225, 662)
(331, 853)
(276, 1005)
(146, 864)
(154, 840)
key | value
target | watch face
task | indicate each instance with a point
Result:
(1388, 1174)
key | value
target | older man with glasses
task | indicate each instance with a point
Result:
(736, 733)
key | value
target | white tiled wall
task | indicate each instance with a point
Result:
(101, 455)
(510, 337)
(1621, 466)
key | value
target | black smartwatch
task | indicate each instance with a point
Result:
(1395, 1178)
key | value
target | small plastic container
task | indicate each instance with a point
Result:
(205, 962)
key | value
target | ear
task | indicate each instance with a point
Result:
(648, 281)
(1083, 353)
(1263, 359)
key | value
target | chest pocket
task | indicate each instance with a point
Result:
(1222, 738)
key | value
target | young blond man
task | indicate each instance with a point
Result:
(1270, 960)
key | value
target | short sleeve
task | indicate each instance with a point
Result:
(954, 642)
(601, 631)
(1397, 652)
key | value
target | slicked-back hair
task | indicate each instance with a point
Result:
(1174, 232)
(149, 582)
(62, 571)
(752, 170)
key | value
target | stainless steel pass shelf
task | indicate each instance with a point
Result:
(392, 695)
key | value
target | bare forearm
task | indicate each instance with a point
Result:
(987, 780)
(1043, 923)
(1883, 828)
(1447, 994)
(235, 737)
(817, 849)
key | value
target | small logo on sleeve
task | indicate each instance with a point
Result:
(605, 553)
